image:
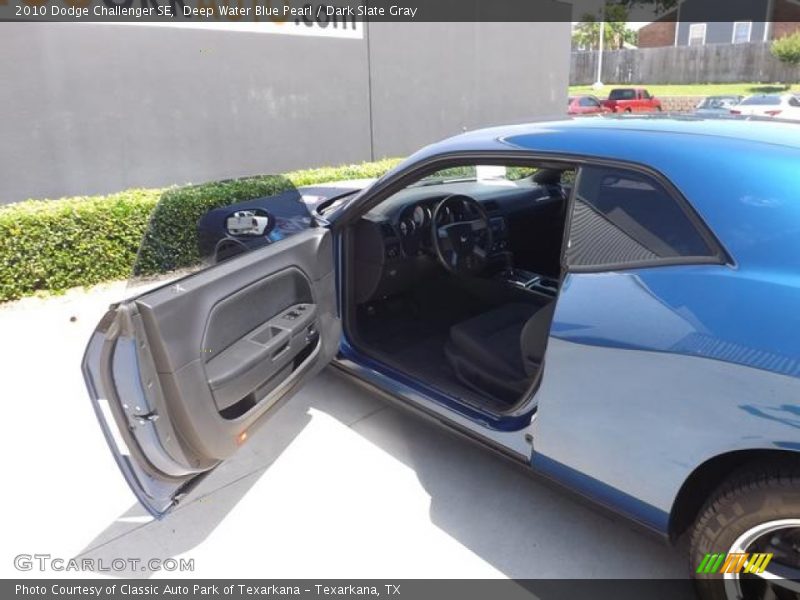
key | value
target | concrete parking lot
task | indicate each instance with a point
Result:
(339, 484)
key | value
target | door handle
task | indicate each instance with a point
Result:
(312, 335)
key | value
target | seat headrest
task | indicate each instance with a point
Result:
(548, 176)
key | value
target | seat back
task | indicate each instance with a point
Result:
(533, 340)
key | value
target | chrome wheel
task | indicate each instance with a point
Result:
(780, 578)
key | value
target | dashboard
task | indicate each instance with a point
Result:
(393, 241)
(415, 225)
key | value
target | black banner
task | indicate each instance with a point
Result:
(331, 12)
(220, 589)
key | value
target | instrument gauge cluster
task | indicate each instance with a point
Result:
(407, 227)
(415, 229)
(421, 215)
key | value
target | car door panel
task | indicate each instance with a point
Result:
(188, 370)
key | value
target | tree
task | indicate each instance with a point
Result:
(658, 7)
(646, 10)
(586, 34)
(787, 49)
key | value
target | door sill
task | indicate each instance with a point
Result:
(510, 440)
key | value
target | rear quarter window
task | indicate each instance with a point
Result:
(623, 218)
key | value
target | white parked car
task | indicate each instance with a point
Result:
(781, 106)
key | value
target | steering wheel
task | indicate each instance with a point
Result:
(462, 237)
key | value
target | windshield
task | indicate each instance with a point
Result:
(622, 95)
(475, 173)
(762, 101)
(713, 102)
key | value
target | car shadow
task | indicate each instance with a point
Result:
(768, 89)
(137, 538)
(492, 507)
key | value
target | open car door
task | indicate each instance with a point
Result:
(181, 374)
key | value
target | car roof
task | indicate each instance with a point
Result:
(781, 96)
(610, 129)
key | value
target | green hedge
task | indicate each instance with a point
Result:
(57, 244)
(54, 245)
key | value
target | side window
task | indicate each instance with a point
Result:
(793, 101)
(195, 227)
(624, 218)
(742, 31)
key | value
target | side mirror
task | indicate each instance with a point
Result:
(247, 223)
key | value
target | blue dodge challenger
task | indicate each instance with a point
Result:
(614, 304)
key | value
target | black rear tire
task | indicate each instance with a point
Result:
(744, 507)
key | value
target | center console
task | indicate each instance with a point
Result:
(501, 260)
(500, 242)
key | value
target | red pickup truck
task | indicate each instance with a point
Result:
(632, 100)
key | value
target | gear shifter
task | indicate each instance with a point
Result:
(518, 276)
(529, 281)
